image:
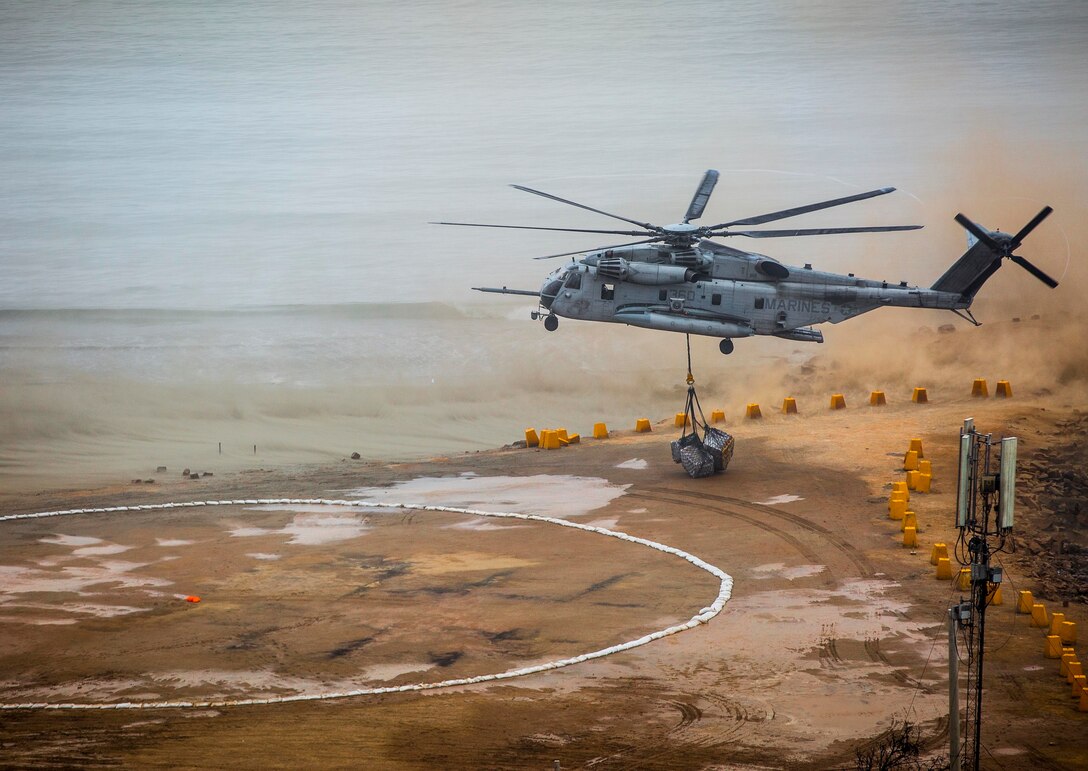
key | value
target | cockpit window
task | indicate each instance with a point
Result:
(574, 280)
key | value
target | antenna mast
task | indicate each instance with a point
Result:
(986, 494)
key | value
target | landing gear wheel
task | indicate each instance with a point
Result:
(551, 323)
(726, 346)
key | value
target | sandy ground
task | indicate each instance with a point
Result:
(833, 630)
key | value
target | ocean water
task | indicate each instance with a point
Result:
(213, 216)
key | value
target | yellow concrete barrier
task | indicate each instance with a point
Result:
(642, 425)
(1024, 602)
(549, 440)
(877, 399)
(924, 482)
(1073, 669)
(1067, 656)
(925, 466)
(1056, 620)
(1038, 615)
(575, 438)
(920, 396)
(939, 550)
(600, 431)
(910, 462)
(1068, 632)
(993, 595)
(1083, 706)
(752, 412)
(1004, 390)
(789, 406)
(717, 416)
(944, 569)
(912, 480)
(531, 439)
(562, 434)
(910, 537)
(909, 520)
(897, 508)
(1052, 647)
(1079, 683)
(681, 419)
(838, 402)
(963, 580)
(901, 487)
(978, 388)
(916, 445)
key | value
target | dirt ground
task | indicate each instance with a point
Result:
(833, 630)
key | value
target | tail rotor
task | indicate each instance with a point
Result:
(1004, 245)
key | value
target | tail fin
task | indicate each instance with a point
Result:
(969, 272)
(985, 250)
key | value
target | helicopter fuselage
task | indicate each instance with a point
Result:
(718, 291)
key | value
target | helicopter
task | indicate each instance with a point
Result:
(678, 279)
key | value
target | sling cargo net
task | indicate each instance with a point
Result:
(701, 456)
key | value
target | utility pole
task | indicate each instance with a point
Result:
(984, 516)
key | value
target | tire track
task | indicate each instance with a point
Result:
(736, 507)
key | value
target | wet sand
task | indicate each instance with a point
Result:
(833, 629)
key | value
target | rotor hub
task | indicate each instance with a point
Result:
(681, 233)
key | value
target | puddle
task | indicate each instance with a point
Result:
(481, 524)
(779, 570)
(71, 540)
(173, 542)
(100, 551)
(263, 556)
(21, 580)
(544, 494)
(315, 529)
(779, 499)
(386, 672)
(635, 463)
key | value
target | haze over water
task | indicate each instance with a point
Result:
(213, 215)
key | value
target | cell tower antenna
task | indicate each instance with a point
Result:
(985, 499)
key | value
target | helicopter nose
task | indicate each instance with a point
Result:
(549, 292)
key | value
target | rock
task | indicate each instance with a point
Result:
(356, 456)
(136, 481)
(186, 473)
(149, 481)
(160, 470)
(207, 474)
(194, 476)
(946, 329)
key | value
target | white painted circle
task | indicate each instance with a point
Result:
(703, 616)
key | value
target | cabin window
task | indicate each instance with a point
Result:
(663, 295)
(759, 303)
(608, 291)
(715, 299)
(574, 281)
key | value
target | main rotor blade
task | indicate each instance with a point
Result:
(596, 248)
(534, 227)
(1019, 237)
(1033, 270)
(646, 225)
(781, 215)
(980, 234)
(812, 231)
(702, 195)
(504, 290)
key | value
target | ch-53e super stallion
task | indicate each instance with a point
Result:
(678, 280)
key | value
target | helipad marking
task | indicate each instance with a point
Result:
(704, 615)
